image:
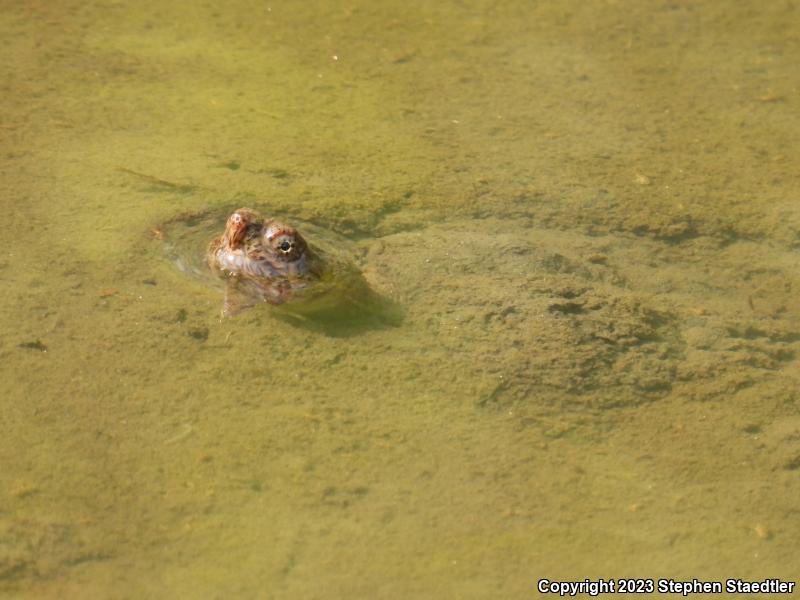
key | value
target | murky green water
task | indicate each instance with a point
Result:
(587, 212)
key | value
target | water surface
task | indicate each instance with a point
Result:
(586, 210)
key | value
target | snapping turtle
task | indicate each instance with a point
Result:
(262, 260)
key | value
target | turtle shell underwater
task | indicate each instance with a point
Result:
(264, 261)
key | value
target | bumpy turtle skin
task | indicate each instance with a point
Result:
(255, 247)
(262, 258)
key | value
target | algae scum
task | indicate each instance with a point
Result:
(560, 340)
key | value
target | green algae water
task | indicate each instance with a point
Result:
(583, 214)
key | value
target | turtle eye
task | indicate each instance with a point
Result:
(284, 242)
(285, 245)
